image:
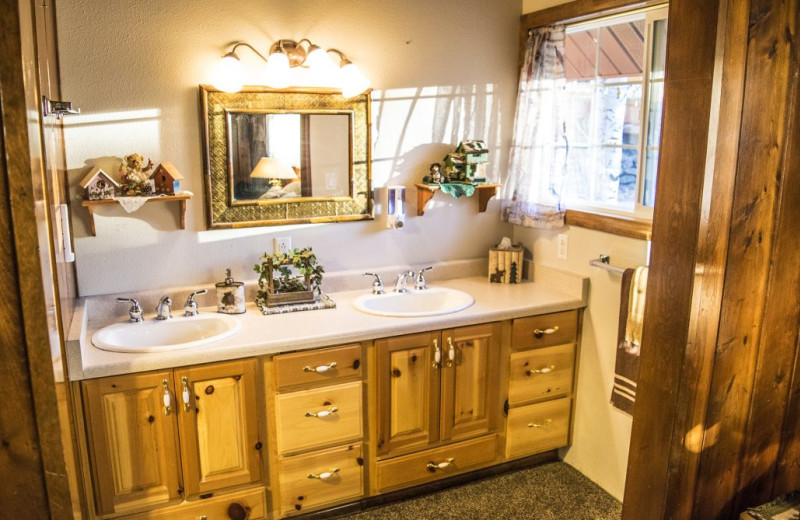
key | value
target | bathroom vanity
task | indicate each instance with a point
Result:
(304, 411)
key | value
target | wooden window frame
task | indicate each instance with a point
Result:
(573, 12)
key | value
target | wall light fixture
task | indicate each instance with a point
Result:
(285, 55)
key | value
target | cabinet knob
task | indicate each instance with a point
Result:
(320, 369)
(434, 466)
(542, 425)
(324, 475)
(167, 398)
(545, 370)
(437, 354)
(323, 413)
(539, 333)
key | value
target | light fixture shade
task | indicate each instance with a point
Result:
(272, 168)
(323, 69)
(228, 74)
(352, 81)
(276, 72)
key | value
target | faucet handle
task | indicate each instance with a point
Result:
(420, 283)
(377, 283)
(135, 312)
(190, 307)
(165, 301)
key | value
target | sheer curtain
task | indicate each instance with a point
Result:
(538, 160)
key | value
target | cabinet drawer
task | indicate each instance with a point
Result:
(318, 366)
(537, 427)
(223, 507)
(548, 329)
(321, 478)
(421, 467)
(319, 417)
(541, 372)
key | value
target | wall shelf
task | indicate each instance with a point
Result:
(180, 197)
(425, 193)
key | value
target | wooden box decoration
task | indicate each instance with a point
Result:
(166, 179)
(279, 285)
(98, 185)
(505, 265)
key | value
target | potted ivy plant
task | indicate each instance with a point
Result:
(286, 278)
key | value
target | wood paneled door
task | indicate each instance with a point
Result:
(133, 441)
(217, 417)
(408, 391)
(469, 380)
(436, 386)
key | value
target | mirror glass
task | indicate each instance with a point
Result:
(289, 156)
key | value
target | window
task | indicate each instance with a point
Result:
(615, 75)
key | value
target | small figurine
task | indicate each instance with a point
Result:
(134, 174)
(436, 174)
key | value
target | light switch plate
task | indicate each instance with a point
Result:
(563, 243)
(282, 244)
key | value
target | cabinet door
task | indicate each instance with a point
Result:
(408, 392)
(220, 444)
(469, 380)
(133, 441)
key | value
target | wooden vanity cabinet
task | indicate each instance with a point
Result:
(435, 389)
(160, 436)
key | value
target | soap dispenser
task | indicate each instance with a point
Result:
(230, 295)
(395, 206)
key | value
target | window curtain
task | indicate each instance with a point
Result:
(538, 159)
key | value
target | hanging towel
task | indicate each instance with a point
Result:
(629, 338)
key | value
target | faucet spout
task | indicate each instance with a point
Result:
(163, 308)
(402, 279)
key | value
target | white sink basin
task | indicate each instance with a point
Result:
(174, 334)
(430, 302)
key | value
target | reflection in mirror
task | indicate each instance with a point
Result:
(280, 155)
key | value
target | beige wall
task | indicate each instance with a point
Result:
(528, 6)
(133, 68)
(602, 433)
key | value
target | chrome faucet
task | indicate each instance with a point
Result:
(190, 307)
(402, 278)
(377, 283)
(135, 312)
(163, 304)
(420, 283)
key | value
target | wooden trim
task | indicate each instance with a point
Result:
(614, 224)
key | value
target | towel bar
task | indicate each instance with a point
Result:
(604, 262)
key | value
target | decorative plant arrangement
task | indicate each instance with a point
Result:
(285, 278)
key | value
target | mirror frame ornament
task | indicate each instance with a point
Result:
(223, 213)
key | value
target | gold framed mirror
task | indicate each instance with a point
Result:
(274, 157)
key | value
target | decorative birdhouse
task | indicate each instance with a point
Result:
(455, 167)
(475, 152)
(98, 185)
(167, 179)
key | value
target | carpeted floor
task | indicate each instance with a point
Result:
(553, 491)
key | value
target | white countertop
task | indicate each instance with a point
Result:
(260, 334)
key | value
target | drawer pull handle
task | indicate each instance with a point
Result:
(185, 393)
(539, 333)
(433, 466)
(167, 398)
(437, 354)
(543, 425)
(323, 413)
(545, 370)
(451, 351)
(320, 369)
(325, 475)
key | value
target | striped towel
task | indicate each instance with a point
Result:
(629, 338)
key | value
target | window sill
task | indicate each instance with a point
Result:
(614, 224)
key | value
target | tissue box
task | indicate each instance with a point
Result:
(505, 265)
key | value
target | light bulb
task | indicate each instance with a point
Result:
(276, 72)
(228, 74)
(323, 70)
(352, 81)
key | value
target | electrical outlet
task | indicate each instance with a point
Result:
(563, 243)
(282, 244)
